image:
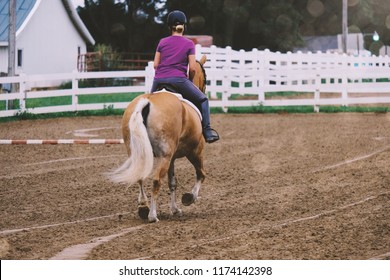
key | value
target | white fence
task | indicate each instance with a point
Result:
(235, 78)
(320, 78)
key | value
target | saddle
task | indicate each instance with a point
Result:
(169, 88)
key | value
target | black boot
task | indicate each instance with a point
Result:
(209, 134)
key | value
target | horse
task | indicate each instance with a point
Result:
(157, 129)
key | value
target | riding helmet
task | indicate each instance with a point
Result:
(176, 18)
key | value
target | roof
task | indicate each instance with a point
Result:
(78, 23)
(203, 40)
(24, 9)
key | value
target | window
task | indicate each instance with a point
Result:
(20, 58)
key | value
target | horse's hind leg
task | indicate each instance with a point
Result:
(197, 161)
(143, 208)
(172, 183)
(161, 170)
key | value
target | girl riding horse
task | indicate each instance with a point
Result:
(175, 54)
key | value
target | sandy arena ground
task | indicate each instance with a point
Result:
(291, 186)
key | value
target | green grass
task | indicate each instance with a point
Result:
(83, 99)
(303, 109)
(354, 109)
(238, 96)
(271, 110)
(49, 101)
(107, 98)
(3, 104)
(284, 93)
(26, 115)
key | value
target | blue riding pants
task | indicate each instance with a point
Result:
(185, 87)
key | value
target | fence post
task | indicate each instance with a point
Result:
(266, 72)
(149, 76)
(75, 90)
(198, 51)
(318, 81)
(260, 58)
(213, 65)
(317, 92)
(226, 82)
(22, 89)
(241, 66)
(344, 93)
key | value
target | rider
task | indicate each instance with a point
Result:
(174, 55)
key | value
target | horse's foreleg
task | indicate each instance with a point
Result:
(161, 171)
(172, 183)
(143, 208)
(197, 162)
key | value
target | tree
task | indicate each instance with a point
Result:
(364, 16)
(367, 16)
(138, 25)
(145, 23)
(105, 20)
(128, 26)
(245, 24)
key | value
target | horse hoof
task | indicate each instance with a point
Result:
(143, 212)
(187, 199)
(177, 213)
(153, 220)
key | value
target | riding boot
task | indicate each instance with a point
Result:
(209, 134)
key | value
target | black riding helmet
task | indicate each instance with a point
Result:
(176, 18)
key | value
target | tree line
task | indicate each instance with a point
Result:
(279, 25)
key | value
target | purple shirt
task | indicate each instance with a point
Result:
(174, 52)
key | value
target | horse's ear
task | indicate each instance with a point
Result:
(203, 59)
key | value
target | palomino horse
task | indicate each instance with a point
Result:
(157, 129)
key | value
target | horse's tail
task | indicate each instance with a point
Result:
(140, 162)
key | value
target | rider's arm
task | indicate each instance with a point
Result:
(191, 66)
(156, 60)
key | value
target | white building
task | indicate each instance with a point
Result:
(49, 36)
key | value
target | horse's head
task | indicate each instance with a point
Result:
(200, 74)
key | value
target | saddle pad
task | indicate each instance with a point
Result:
(180, 97)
